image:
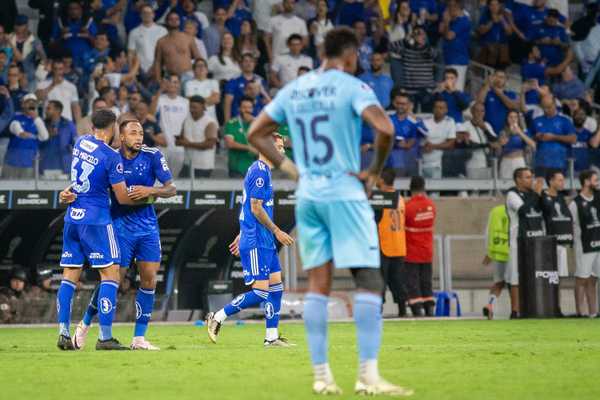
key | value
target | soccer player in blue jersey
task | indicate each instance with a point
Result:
(88, 232)
(256, 247)
(136, 228)
(324, 110)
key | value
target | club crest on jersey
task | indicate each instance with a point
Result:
(88, 146)
(238, 300)
(105, 305)
(120, 168)
(269, 310)
(77, 213)
(260, 182)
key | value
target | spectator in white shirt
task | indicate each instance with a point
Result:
(224, 66)
(171, 110)
(478, 136)
(440, 136)
(199, 139)
(142, 40)
(191, 28)
(202, 86)
(284, 25)
(285, 67)
(57, 88)
(320, 25)
(262, 11)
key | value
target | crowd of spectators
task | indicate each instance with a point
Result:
(196, 73)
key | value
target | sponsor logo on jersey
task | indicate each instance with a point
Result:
(105, 305)
(77, 213)
(551, 276)
(96, 256)
(120, 168)
(67, 254)
(88, 146)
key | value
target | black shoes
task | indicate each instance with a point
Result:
(110, 344)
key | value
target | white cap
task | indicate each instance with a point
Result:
(29, 96)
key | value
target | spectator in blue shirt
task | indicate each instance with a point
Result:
(75, 32)
(98, 54)
(213, 34)
(381, 83)
(238, 13)
(365, 49)
(586, 140)
(497, 99)
(55, 153)
(554, 134)
(7, 112)
(552, 39)
(234, 89)
(494, 30)
(457, 101)
(570, 87)
(27, 130)
(15, 74)
(455, 29)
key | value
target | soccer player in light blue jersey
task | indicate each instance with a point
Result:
(88, 232)
(255, 245)
(325, 110)
(136, 228)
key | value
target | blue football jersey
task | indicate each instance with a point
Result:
(143, 170)
(257, 185)
(323, 110)
(94, 168)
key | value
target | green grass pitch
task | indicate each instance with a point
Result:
(544, 359)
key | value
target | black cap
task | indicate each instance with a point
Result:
(43, 274)
(19, 273)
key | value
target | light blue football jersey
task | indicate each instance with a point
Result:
(323, 110)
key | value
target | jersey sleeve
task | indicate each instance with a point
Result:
(115, 168)
(276, 108)
(362, 97)
(258, 185)
(161, 168)
(513, 202)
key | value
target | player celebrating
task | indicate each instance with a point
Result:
(137, 228)
(88, 232)
(256, 246)
(335, 222)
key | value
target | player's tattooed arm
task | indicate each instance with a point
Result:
(138, 193)
(261, 215)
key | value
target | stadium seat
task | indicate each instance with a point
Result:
(443, 303)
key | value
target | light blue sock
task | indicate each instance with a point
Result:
(367, 315)
(107, 304)
(144, 302)
(92, 308)
(315, 323)
(273, 305)
(64, 298)
(245, 300)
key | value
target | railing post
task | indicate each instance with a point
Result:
(439, 239)
(420, 166)
(192, 174)
(448, 262)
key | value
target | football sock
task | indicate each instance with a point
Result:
(315, 323)
(492, 299)
(246, 300)
(323, 373)
(92, 308)
(144, 302)
(367, 315)
(107, 304)
(64, 298)
(272, 310)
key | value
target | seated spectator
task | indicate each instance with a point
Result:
(400, 28)
(457, 100)
(238, 13)
(241, 155)
(417, 66)
(75, 33)
(515, 140)
(494, 30)
(479, 138)
(318, 27)
(199, 139)
(190, 27)
(283, 25)
(84, 125)
(380, 82)
(202, 86)
(153, 135)
(586, 140)
(455, 29)
(552, 39)
(285, 67)
(440, 136)
(188, 12)
(570, 87)
(497, 99)
(27, 130)
(554, 134)
(58, 88)
(56, 152)
(213, 34)
(28, 49)
(408, 132)
(234, 89)
(250, 42)
(142, 40)
(225, 65)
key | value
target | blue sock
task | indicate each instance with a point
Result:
(92, 308)
(64, 298)
(367, 315)
(315, 323)
(245, 300)
(273, 305)
(107, 304)
(144, 302)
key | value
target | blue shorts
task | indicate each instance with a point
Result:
(258, 264)
(340, 231)
(95, 243)
(139, 247)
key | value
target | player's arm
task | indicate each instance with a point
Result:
(168, 189)
(256, 205)
(120, 191)
(384, 139)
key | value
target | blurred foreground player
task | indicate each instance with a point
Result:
(255, 245)
(335, 222)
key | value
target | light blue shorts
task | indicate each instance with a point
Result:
(342, 231)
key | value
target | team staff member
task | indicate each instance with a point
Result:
(586, 225)
(497, 254)
(392, 243)
(526, 221)
(420, 219)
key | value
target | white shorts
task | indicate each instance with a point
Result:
(499, 271)
(588, 264)
(562, 266)
(512, 268)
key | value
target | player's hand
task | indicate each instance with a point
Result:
(140, 192)
(369, 180)
(284, 238)
(66, 196)
(234, 247)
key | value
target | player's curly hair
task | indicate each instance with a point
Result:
(103, 119)
(338, 40)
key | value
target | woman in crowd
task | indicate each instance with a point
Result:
(225, 65)
(515, 141)
(318, 28)
(203, 86)
(250, 42)
(402, 24)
